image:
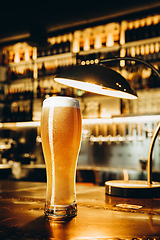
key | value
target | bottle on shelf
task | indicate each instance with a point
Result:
(54, 48)
(28, 111)
(42, 71)
(61, 48)
(67, 46)
(38, 91)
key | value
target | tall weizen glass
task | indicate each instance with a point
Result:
(61, 130)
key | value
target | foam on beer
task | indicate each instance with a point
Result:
(59, 102)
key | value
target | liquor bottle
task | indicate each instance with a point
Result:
(43, 53)
(42, 91)
(67, 46)
(55, 49)
(43, 69)
(48, 52)
(14, 112)
(21, 94)
(61, 48)
(38, 91)
(9, 95)
(21, 113)
(28, 111)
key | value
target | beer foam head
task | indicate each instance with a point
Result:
(61, 102)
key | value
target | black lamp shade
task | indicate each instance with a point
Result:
(97, 79)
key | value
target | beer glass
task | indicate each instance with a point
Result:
(61, 130)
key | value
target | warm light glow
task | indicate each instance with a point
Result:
(146, 73)
(137, 51)
(156, 47)
(142, 22)
(64, 38)
(59, 39)
(34, 53)
(148, 21)
(142, 50)
(35, 75)
(86, 44)
(130, 184)
(52, 40)
(123, 29)
(130, 25)
(124, 73)
(156, 19)
(70, 37)
(136, 24)
(122, 53)
(110, 41)
(125, 173)
(96, 121)
(90, 87)
(27, 55)
(147, 49)
(133, 52)
(16, 57)
(20, 124)
(152, 48)
(98, 42)
(27, 124)
(76, 46)
(76, 41)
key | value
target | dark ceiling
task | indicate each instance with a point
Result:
(36, 20)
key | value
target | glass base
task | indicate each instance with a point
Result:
(60, 212)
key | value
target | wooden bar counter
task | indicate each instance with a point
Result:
(99, 216)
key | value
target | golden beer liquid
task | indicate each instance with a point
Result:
(61, 129)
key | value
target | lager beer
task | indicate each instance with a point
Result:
(61, 128)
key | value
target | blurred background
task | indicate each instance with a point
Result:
(40, 39)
